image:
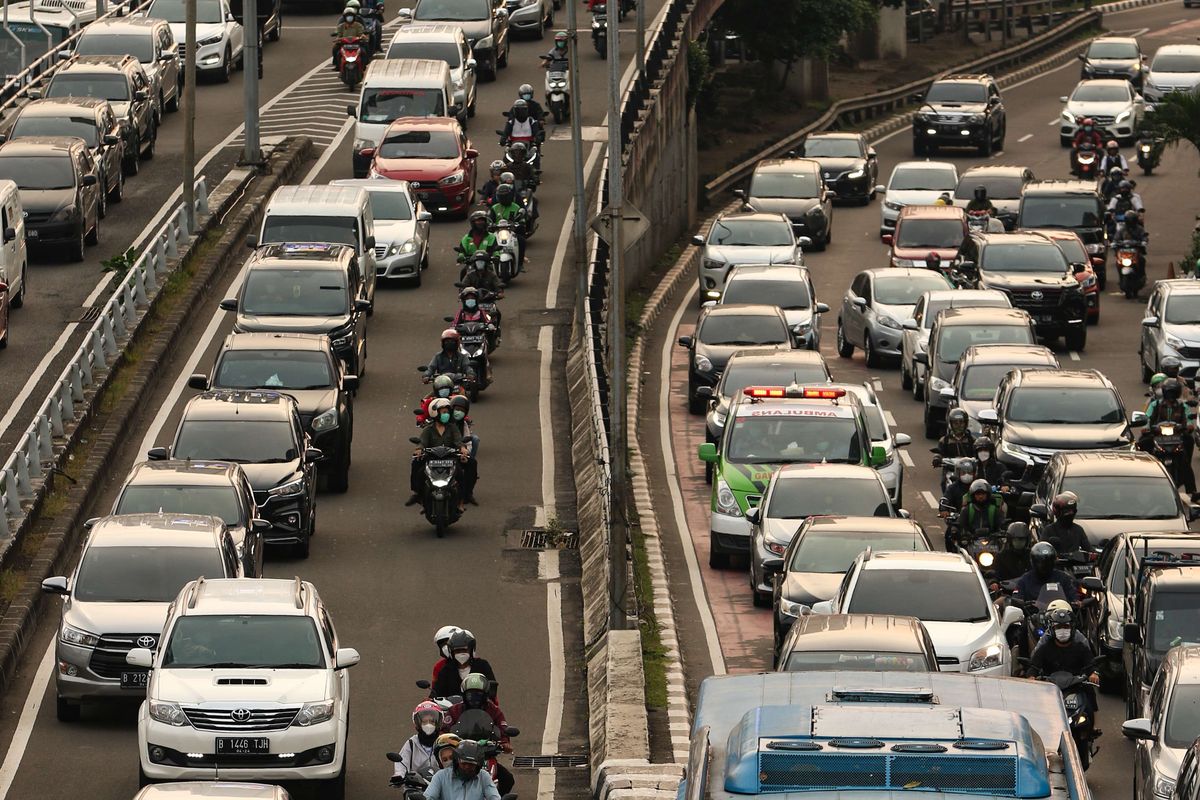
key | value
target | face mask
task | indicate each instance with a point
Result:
(449, 346)
(1062, 634)
(462, 658)
(459, 416)
(470, 303)
(526, 96)
(443, 417)
(443, 392)
(428, 728)
(984, 455)
(966, 478)
(349, 20)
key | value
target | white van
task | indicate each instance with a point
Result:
(441, 43)
(395, 88)
(13, 258)
(328, 214)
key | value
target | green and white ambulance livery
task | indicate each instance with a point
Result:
(770, 426)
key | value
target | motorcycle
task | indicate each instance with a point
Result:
(1165, 442)
(414, 782)
(529, 204)
(372, 20)
(533, 160)
(1149, 152)
(473, 344)
(1085, 161)
(1079, 699)
(487, 303)
(476, 725)
(1128, 259)
(949, 468)
(351, 61)
(985, 549)
(557, 78)
(600, 30)
(439, 494)
(508, 252)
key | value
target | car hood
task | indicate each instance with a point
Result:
(203, 30)
(1173, 79)
(1114, 64)
(782, 530)
(792, 206)
(1067, 437)
(832, 167)
(752, 254)
(249, 323)
(104, 618)
(1100, 531)
(960, 639)
(916, 197)
(416, 169)
(400, 230)
(973, 407)
(46, 201)
(1010, 280)
(810, 587)
(268, 476)
(1092, 109)
(313, 401)
(286, 686)
(953, 109)
(120, 108)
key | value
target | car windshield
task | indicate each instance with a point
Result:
(832, 552)
(39, 172)
(453, 10)
(761, 233)
(1183, 309)
(832, 147)
(389, 206)
(1113, 50)
(273, 369)
(793, 439)
(139, 45)
(999, 187)
(1072, 250)
(1124, 497)
(1183, 717)
(255, 441)
(1176, 62)
(981, 380)
(302, 228)
(143, 574)
(208, 12)
(447, 52)
(81, 127)
(419, 144)
(1174, 620)
(740, 374)
(930, 596)
(790, 295)
(946, 92)
(930, 179)
(214, 501)
(789, 185)
(816, 661)
(1040, 257)
(249, 641)
(295, 293)
(906, 290)
(936, 234)
(70, 84)
(727, 329)
(811, 496)
(385, 105)
(1091, 92)
(1060, 212)
(954, 339)
(1074, 406)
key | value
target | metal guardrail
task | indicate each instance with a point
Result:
(22, 476)
(595, 313)
(855, 110)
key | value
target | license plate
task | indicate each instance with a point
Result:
(556, 97)
(425, 195)
(1044, 319)
(134, 680)
(247, 746)
(32, 234)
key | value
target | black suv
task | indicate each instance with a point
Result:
(1070, 205)
(305, 366)
(60, 190)
(1034, 273)
(960, 111)
(121, 81)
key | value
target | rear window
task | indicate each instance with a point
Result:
(381, 105)
(936, 234)
(998, 187)
(954, 339)
(791, 295)
(930, 596)
(743, 330)
(1045, 211)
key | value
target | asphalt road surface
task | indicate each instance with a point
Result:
(721, 628)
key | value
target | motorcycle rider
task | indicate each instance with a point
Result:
(466, 779)
(487, 192)
(1170, 366)
(441, 640)
(439, 432)
(1063, 648)
(444, 749)
(1064, 532)
(1125, 199)
(519, 167)
(955, 495)
(990, 468)
(450, 359)
(1011, 561)
(460, 411)
(958, 441)
(1043, 559)
(475, 697)
(443, 386)
(478, 272)
(465, 662)
(980, 201)
(1172, 409)
(982, 513)
(1155, 393)
(522, 126)
(1112, 182)
(469, 310)
(349, 27)
(1113, 159)
(1133, 231)
(1086, 134)
(535, 108)
(933, 261)
(417, 754)
(557, 53)
(478, 237)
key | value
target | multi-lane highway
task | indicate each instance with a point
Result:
(742, 633)
(388, 581)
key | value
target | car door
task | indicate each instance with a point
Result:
(366, 262)
(168, 67)
(113, 153)
(1152, 334)
(329, 634)
(853, 308)
(468, 73)
(254, 539)
(908, 339)
(234, 31)
(89, 195)
(1095, 616)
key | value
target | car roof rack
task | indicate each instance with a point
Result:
(299, 593)
(194, 594)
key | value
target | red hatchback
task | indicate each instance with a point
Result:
(434, 156)
(1072, 247)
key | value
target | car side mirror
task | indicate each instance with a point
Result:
(141, 94)
(871, 152)
(394, 758)
(1138, 419)
(424, 216)
(698, 241)
(229, 304)
(685, 341)
(252, 240)
(821, 308)
(362, 305)
(157, 454)
(1039, 510)
(1093, 584)
(947, 393)
(1011, 616)
(312, 455)
(345, 657)
(804, 241)
(350, 383)
(90, 180)
(739, 193)
(704, 391)
(1062, 99)
(260, 525)
(831, 194)
(471, 63)
(404, 14)
(823, 607)
(861, 302)
(901, 439)
(772, 566)
(34, 94)
(708, 452)
(140, 657)
(90, 522)
(910, 324)
(753, 515)
(878, 456)
(880, 188)
(1150, 322)
(921, 358)
(198, 381)
(1132, 633)
(10, 233)
(1193, 513)
(229, 17)
(989, 416)
(1139, 728)
(1082, 56)
(351, 111)
(472, 153)
(501, 13)
(887, 238)
(369, 242)
(56, 585)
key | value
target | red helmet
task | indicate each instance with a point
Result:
(1087, 122)
(429, 712)
(933, 257)
(450, 333)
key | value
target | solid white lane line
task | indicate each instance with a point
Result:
(905, 458)
(332, 147)
(1025, 138)
(548, 571)
(1173, 22)
(33, 703)
(930, 499)
(707, 622)
(38, 372)
(546, 352)
(101, 285)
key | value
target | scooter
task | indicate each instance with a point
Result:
(1079, 699)
(557, 98)
(1149, 152)
(1165, 442)
(372, 20)
(439, 495)
(985, 549)
(476, 725)
(351, 61)
(1084, 161)
(600, 30)
(1128, 259)
(474, 345)
(528, 202)
(508, 251)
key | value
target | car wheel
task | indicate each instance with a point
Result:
(18, 300)
(696, 404)
(919, 149)
(93, 236)
(132, 162)
(985, 149)
(906, 381)
(873, 359)
(931, 427)
(708, 472)
(277, 31)
(1094, 319)
(173, 103)
(143, 779)
(1146, 373)
(102, 202)
(1064, 141)
(335, 788)
(918, 388)
(844, 348)
(148, 151)
(502, 61)
(717, 560)
(1076, 339)
(226, 67)
(75, 249)
(118, 193)
(338, 480)
(761, 599)
(67, 712)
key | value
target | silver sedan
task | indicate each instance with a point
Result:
(401, 228)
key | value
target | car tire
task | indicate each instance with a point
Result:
(277, 31)
(844, 348)
(118, 194)
(761, 599)
(102, 203)
(1094, 319)
(1076, 339)
(301, 548)
(873, 358)
(708, 472)
(75, 249)
(696, 405)
(93, 236)
(67, 711)
(906, 381)
(919, 149)
(918, 389)
(1064, 141)
(489, 73)
(338, 480)
(932, 429)
(133, 162)
(18, 300)
(148, 151)
(335, 788)
(502, 61)
(717, 560)
(226, 67)
(985, 149)
(1146, 373)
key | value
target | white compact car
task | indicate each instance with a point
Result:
(1174, 68)
(219, 36)
(914, 183)
(1112, 103)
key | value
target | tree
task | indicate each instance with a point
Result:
(1176, 118)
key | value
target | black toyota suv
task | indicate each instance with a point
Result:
(1070, 205)
(305, 366)
(1034, 273)
(960, 111)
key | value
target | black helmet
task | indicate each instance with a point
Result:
(460, 402)
(1172, 389)
(1065, 506)
(520, 110)
(956, 420)
(462, 640)
(1125, 187)
(469, 752)
(1170, 366)
(984, 443)
(965, 470)
(504, 193)
(1017, 531)
(980, 485)
(981, 192)
(478, 215)
(1042, 558)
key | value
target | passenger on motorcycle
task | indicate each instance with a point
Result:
(1113, 159)
(417, 754)
(1010, 562)
(441, 641)
(350, 27)
(535, 108)
(466, 780)
(439, 432)
(460, 411)
(487, 192)
(956, 493)
(1087, 133)
(443, 386)
(1062, 648)
(475, 697)
(982, 513)
(1171, 408)
(1043, 559)
(1064, 532)
(462, 653)
(522, 126)
(1170, 366)
(478, 237)
(990, 468)
(450, 359)
(958, 440)
(1125, 199)
(444, 749)
(1112, 182)
(980, 201)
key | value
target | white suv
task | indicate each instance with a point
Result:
(248, 683)
(943, 590)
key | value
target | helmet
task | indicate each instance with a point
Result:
(1115, 174)
(354, 4)
(1125, 187)
(1170, 366)
(1087, 122)
(980, 192)
(520, 103)
(443, 383)
(1058, 617)
(450, 333)
(478, 214)
(980, 485)
(351, 9)
(460, 401)
(1172, 389)
(1112, 145)
(507, 177)
(468, 752)
(984, 443)
(1018, 532)
(1065, 506)
(504, 193)
(1058, 605)
(956, 420)
(965, 470)
(442, 637)
(1042, 557)
(497, 166)
(439, 405)
(1157, 379)
(427, 712)
(933, 258)
(476, 681)
(525, 92)
(518, 149)
(446, 740)
(463, 640)
(560, 39)
(468, 291)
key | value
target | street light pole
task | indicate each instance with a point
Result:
(189, 114)
(250, 151)
(579, 231)
(641, 34)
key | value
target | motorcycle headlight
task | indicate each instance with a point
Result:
(986, 658)
(1116, 630)
(1163, 785)
(292, 487)
(453, 179)
(703, 364)
(1174, 341)
(166, 713)
(986, 559)
(78, 636)
(401, 248)
(325, 421)
(726, 503)
(314, 713)
(858, 173)
(1124, 115)
(216, 37)
(789, 609)
(65, 213)
(1145, 148)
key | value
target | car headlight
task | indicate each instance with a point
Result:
(893, 205)
(903, 262)
(703, 364)
(1014, 450)
(1068, 117)
(1124, 115)
(937, 384)
(1095, 249)
(65, 213)
(712, 263)
(726, 503)
(801, 328)
(166, 713)
(986, 658)
(1163, 785)
(485, 43)
(1116, 630)
(216, 37)
(1089, 281)
(292, 487)
(858, 173)
(453, 178)
(789, 609)
(1173, 341)
(325, 421)
(888, 321)
(314, 713)
(78, 636)
(777, 548)
(976, 118)
(401, 248)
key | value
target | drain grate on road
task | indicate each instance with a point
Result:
(543, 539)
(90, 314)
(541, 762)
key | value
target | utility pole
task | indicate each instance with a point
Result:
(641, 34)
(250, 151)
(189, 114)
(579, 237)
(618, 530)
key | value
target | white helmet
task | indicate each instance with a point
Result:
(442, 637)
